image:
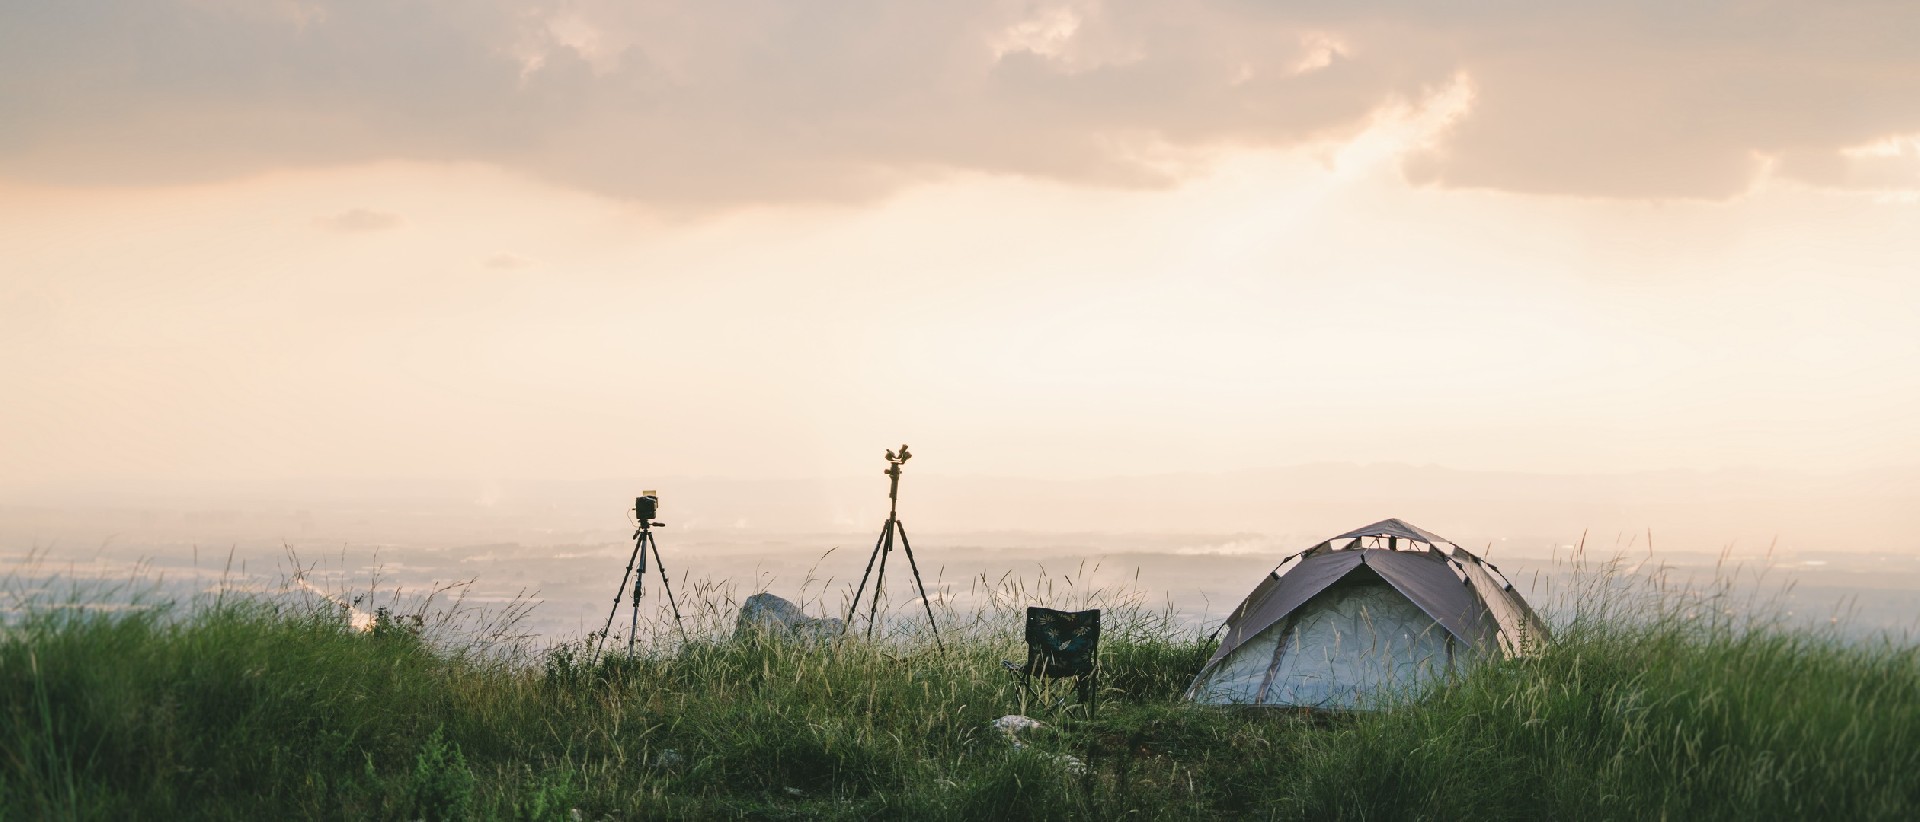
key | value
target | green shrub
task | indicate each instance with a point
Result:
(442, 787)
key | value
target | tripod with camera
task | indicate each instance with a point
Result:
(884, 546)
(645, 508)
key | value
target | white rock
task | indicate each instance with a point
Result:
(1014, 725)
(769, 614)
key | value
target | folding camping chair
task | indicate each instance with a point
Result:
(1061, 644)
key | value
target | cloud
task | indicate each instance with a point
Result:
(358, 221)
(1889, 165)
(754, 101)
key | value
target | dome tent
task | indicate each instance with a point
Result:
(1378, 611)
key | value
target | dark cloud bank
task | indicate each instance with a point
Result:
(742, 101)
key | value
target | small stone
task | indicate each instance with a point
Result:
(1015, 725)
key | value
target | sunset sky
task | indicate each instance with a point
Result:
(248, 239)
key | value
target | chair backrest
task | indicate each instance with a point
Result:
(1062, 643)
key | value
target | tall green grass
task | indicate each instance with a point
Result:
(1653, 701)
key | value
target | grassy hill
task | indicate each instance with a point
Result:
(256, 708)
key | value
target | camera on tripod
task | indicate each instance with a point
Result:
(645, 508)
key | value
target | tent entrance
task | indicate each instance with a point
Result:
(1357, 641)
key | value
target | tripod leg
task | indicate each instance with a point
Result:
(617, 592)
(873, 611)
(639, 590)
(855, 607)
(668, 587)
(908, 546)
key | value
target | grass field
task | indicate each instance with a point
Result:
(1650, 704)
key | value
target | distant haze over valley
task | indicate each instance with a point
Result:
(1692, 510)
(1840, 544)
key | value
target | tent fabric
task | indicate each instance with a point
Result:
(1258, 596)
(1236, 678)
(1253, 600)
(1530, 621)
(1397, 528)
(1425, 578)
(1288, 592)
(1363, 642)
(1306, 638)
(1520, 630)
(1355, 643)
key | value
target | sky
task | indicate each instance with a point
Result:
(260, 240)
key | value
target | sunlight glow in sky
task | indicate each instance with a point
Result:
(1049, 239)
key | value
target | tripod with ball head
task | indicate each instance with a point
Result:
(884, 546)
